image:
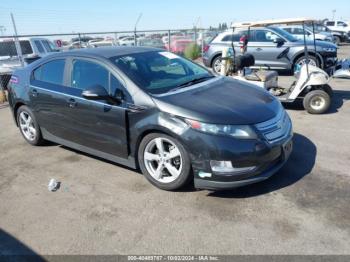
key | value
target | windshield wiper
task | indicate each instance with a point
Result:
(192, 82)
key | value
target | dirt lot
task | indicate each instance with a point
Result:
(102, 208)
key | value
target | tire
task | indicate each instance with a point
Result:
(216, 64)
(150, 159)
(317, 102)
(28, 127)
(337, 40)
(313, 61)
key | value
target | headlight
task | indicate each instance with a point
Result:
(329, 49)
(237, 131)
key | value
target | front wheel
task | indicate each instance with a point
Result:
(303, 60)
(317, 102)
(164, 161)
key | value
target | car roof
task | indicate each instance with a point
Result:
(106, 52)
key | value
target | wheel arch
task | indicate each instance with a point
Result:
(312, 53)
(15, 110)
(214, 57)
(153, 130)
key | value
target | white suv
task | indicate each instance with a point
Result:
(338, 26)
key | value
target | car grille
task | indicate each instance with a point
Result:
(276, 128)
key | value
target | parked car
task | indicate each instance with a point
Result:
(338, 36)
(101, 43)
(151, 42)
(271, 47)
(337, 25)
(298, 32)
(127, 41)
(148, 108)
(179, 45)
(32, 48)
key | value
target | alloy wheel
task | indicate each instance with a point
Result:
(163, 160)
(27, 126)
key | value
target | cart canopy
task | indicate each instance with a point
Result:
(288, 21)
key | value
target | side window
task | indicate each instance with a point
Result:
(39, 46)
(298, 31)
(340, 23)
(265, 36)
(229, 38)
(51, 72)
(86, 74)
(289, 30)
(47, 46)
(330, 23)
(115, 85)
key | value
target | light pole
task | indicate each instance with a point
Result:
(334, 11)
(137, 22)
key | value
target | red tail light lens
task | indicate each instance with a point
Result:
(206, 48)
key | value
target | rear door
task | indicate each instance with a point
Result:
(48, 99)
(98, 125)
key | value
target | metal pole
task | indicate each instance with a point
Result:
(17, 44)
(137, 21)
(169, 35)
(313, 32)
(79, 40)
(306, 50)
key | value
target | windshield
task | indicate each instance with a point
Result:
(160, 72)
(8, 48)
(284, 34)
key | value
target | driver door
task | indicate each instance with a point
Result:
(97, 125)
(264, 49)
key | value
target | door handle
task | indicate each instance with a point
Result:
(259, 49)
(35, 93)
(72, 103)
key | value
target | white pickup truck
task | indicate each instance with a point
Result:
(31, 47)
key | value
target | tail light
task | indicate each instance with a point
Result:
(14, 80)
(206, 48)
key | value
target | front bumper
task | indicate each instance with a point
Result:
(254, 160)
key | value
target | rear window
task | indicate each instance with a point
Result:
(51, 72)
(8, 48)
(330, 23)
(230, 38)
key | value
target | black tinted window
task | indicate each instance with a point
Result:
(51, 72)
(234, 38)
(47, 46)
(86, 74)
(330, 23)
(8, 48)
(39, 46)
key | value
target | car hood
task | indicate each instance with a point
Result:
(221, 100)
(319, 44)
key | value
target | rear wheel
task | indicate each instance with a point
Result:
(29, 126)
(317, 102)
(164, 161)
(216, 65)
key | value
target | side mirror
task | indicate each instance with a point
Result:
(95, 92)
(279, 41)
(119, 95)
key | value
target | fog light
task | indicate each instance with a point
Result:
(226, 167)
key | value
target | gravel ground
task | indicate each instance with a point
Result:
(103, 208)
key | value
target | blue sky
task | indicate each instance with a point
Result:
(66, 16)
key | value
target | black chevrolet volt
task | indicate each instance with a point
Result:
(153, 110)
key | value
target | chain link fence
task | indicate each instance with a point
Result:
(16, 52)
